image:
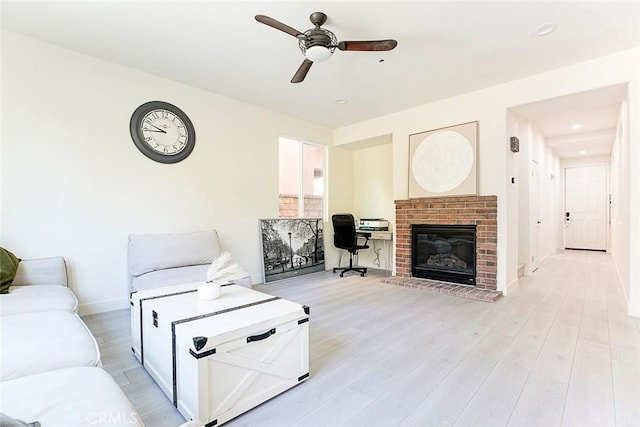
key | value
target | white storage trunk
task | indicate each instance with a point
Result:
(217, 359)
(136, 313)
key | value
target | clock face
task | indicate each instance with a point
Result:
(162, 132)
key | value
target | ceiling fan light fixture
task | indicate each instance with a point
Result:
(318, 53)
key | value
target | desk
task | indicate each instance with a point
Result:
(383, 237)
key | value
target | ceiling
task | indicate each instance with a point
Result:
(581, 124)
(444, 48)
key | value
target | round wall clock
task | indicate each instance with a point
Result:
(162, 132)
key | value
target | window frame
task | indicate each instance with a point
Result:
(301, 199)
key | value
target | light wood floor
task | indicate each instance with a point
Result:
(560, 350)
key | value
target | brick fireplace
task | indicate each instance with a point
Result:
(480, 211)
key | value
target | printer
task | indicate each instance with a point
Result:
(373, 224)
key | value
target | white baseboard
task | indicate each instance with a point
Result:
(102, 306)
(633, 310)
(512, 286)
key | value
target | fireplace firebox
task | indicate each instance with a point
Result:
(444, 252)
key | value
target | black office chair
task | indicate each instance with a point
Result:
(345, 237)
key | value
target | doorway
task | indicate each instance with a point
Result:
(586, 215)
(557, 135)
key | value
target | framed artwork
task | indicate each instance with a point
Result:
(291, 247)
(442, 162)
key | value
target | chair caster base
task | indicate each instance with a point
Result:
(361, 270)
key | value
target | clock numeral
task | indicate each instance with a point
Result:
(148, 138)
(165, 114)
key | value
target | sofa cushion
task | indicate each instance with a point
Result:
(41, 271)
(81, 396)
(7, 421)
(8, 268)
(44, 341)
(34, 298)
(151, 252)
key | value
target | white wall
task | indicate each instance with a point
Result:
(549, 205)
(550, 185)
(373, 196)
(488, 106)
(74, 184)
(340, 192)
(620, 190)
(513, 197)
(523, 179)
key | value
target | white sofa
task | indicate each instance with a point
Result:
(50, 365)
(40, 328)
(79, 396)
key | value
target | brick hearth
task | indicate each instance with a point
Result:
(470, 292)
(468, 210)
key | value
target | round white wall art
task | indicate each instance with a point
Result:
(442, 161)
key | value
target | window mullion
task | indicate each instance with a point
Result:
(301, 180)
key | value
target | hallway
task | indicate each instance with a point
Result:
(590, 343)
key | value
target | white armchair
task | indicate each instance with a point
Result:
(160, 260)
(159, 264)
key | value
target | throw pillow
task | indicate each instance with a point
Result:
(8, 267)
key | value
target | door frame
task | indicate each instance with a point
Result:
(534, 216)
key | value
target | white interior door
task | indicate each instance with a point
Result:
(535, 215)
(585, 195)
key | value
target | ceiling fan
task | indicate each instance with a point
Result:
(318, 44)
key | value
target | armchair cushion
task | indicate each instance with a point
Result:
(169, 277)
(8, 267)
(151, 252)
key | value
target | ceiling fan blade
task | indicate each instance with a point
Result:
(370, 45)
(278, 25)
(302, 71)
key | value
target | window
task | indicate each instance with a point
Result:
(301, 179)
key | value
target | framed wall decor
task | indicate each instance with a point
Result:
(291, 247)
(442, 162)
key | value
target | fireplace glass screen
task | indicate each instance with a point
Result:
(444, 252)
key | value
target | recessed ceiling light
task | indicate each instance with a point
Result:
(342, 101)
(583, 152)
(576, 126)
(545, 29)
